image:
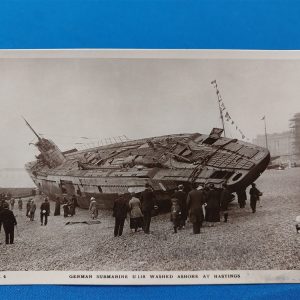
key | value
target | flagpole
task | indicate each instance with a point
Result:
(222, 118)
(214, 83)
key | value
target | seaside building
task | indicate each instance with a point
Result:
(284, 145)
(279, 144)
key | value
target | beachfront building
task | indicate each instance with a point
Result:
(279, 144)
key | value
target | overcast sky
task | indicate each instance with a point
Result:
(66, 99)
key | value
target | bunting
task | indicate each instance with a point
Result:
(225, 114)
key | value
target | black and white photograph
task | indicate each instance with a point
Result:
(141, 165)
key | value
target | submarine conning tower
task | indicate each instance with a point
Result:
(50, 153)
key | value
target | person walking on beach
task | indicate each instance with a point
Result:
(195, 201)
(148, 202)
(28, 204)
(213, 206)
(254, 197)
(20, 204)
(1, 209)
(224, 201)
(93, 208)
(242, 197)
(32, 210)
(181, 196)
(45, 211)
(9, 222)
(120, 210)
(12, 203)
(73, 205)
(136, 215)
(57, 207)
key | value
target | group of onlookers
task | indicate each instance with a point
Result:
(201, 203)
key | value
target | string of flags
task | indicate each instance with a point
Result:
(225, 113)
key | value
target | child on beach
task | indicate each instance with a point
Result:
(175, 214)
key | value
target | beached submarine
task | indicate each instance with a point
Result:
(105, 172)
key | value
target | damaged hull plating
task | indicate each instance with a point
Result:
(166, 161)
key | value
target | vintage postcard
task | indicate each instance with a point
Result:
(149, 167)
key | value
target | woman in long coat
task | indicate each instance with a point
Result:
(93, 208)
(213, 205)
(136, 216)
(57, 207)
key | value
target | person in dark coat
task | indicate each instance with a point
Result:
(242, 197)
(9, 222)
(32, 210)
(148, 202)
(57, 207)
(45, 211)
(181, 196)
(195, 201)
(224, 201)
(120, 210)
(213, 205)
(20, 204)
(28, 204)
(2, 201)
(73, 205)
(254, 197)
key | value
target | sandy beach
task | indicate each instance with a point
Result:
(261, 241)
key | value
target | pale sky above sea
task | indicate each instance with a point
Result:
(69, 98)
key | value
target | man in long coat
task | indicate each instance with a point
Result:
(45, 211)
(120, 210)
(28, 204)
(181, 196)
(213, 205)
(242, 197)
(254, 197)
(224, 201)
(195, 201)
(148, 202)
(9, 221)
(32, 210)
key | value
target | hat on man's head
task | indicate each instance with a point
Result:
(180, 187)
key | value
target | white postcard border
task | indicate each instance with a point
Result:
(149, 278)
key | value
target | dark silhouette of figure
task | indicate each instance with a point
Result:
(57, 207)
(242, 197)
(45, 211)
(254, 197)
(195, 201)
(224, 201)
(9, 222)
(148, 202)
(181, 196)
(120, 210)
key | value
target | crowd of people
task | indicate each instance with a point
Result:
(201, 203)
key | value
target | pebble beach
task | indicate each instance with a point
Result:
(264, 240)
